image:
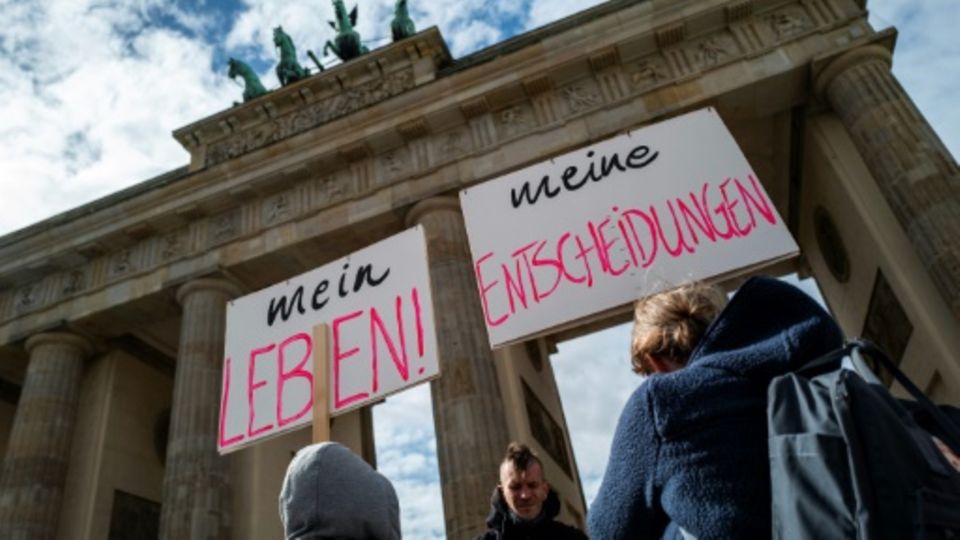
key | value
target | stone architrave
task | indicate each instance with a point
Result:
(913, 169)
(35, 467)
(196, 485)
(467, 405)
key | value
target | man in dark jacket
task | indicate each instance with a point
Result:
(523, 506)
(689, 457)
(330, 492)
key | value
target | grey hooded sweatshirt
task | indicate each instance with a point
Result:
(329, 492)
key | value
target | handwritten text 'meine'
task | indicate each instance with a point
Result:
(572, 178)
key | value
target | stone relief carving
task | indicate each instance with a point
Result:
(27, 298)
(715, 49)
(580, 96)
(311, 116)
(330, 190)
(277, 208)
(788, 23)
(73, 283)
(394, 162)
(172, 246)
(121, 263)
(650, 71)
(454, 143)
(515, 120)
(225, 226)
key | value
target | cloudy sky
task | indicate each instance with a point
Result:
(90, 91)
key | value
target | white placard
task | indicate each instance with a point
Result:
(596, 228)
(379, 309)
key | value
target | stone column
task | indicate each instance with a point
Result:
(467, 406)
(913, 169)
(35, 467)
(196, 485)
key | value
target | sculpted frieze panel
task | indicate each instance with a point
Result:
(311, 116)
(173, 245)
(453, 143)
(394, 162)
(715, 50)
(649, 72)
(278, 208)
(223, 227)
(73, 282)
(515, 120)
(581, 95)
(330, 190)
(28, 298)
(789, 22)
(121, 262)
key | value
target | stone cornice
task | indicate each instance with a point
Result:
(454, 131)
(314, 101)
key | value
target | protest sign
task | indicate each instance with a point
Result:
(596, 228)
(378, 309)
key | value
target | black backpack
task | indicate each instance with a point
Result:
(848, 460)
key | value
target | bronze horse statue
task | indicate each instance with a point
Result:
(346, 45)
(252, 86)
(289, 69)
(401, 26)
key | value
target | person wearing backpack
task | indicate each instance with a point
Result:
(689, 455)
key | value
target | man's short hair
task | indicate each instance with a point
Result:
(521, 456)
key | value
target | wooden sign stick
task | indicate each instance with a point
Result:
(321, 386)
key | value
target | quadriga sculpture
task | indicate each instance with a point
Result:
(252, 87)
(289, 69)
(402, 25)
(346, 45)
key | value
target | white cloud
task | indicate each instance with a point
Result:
(407, 455)
(90, 100)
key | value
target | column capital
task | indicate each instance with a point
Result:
(432, 204)
(227, 288)
(59, 338)
(847, 60)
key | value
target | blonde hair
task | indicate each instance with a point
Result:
(671, 324)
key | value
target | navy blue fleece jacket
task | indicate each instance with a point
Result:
(690, 449)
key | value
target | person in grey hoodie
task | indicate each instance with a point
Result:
(330, 492)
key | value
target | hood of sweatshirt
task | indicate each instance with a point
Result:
(768, 328)
(330, 492)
